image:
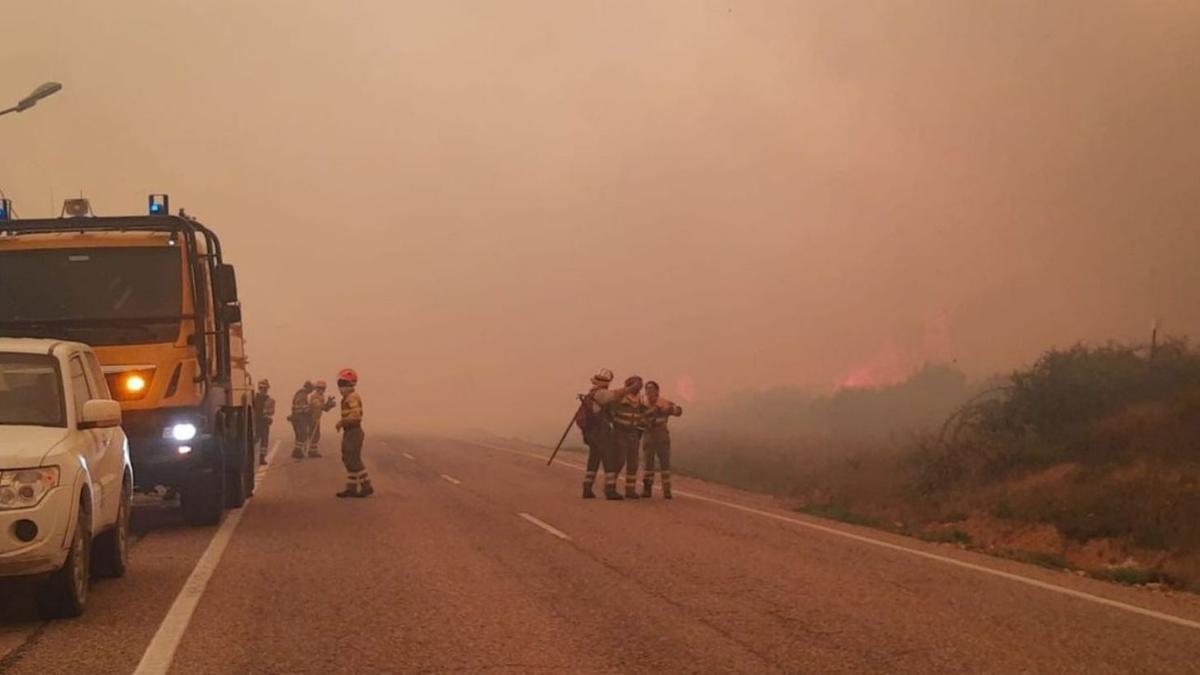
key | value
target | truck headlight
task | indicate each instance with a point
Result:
(184, 431)
(23, 488)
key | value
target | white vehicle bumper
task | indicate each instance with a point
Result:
(47, 551)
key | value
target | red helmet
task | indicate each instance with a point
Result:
(348, 375)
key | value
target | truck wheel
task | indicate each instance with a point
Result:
(202, 498)
(110, 553)
(251, 455)
(65, 593)
(237, 489)
(239, 468)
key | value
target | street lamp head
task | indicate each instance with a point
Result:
(38, 94)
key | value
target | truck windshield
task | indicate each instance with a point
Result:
(30, 391)
(101, 296)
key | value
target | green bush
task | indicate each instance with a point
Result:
(1095, 405)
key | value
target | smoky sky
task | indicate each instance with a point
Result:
(476, 204)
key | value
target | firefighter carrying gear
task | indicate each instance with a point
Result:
(657, 442)
(318, 404)
(597, 435)
(596, 422)
(358, 484)
(301, 420)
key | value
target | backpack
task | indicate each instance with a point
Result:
(585, 417)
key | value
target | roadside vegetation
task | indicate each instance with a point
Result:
(1088, 459)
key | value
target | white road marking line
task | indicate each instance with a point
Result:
(549, 528)
(161, 651)
(1053, 588)
(262, 469)
(408, 456)
(451, 479)
(561, 462)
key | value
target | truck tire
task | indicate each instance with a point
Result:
(202, 498)
(251, 454)
(65, 593)
(235, 486)
(110, 552)
(239, 474)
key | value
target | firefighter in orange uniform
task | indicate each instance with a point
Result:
(358, 484)
(628, 424)
(594, 420)
(657, 442)
(300, 419)
(318, 405)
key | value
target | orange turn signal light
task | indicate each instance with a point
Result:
(130, 385)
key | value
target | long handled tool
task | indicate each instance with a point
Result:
(582, 402)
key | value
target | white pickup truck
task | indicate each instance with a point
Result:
(65, 476)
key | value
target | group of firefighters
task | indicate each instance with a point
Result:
(619, 425)
(309, 404)
(616, 424)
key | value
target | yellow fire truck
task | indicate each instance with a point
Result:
(155, 298)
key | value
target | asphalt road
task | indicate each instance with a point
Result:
(482, 559)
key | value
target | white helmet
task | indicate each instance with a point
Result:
(603, 377)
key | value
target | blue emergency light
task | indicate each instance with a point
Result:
(5, 209)
(159, 205)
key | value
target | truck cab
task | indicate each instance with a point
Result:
(154, 297)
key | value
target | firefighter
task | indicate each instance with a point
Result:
(300, 419)
(357, 482)
(318, 405)
(264, 416)
(657, 442)
(598, 433)
(628, 423)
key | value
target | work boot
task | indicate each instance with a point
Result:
(647, 489)
(611, 494)
(313, 454)
(666, 491)
(350, 491)
(297, 454)
(587, 491)
(631, 492)
(367, 490)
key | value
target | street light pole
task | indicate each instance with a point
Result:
(31, 100)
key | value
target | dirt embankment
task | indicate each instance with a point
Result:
(1065, 516)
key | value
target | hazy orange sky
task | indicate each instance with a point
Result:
(478, 203)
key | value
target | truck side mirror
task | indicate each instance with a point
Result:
(225, 285)
(231, 314)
